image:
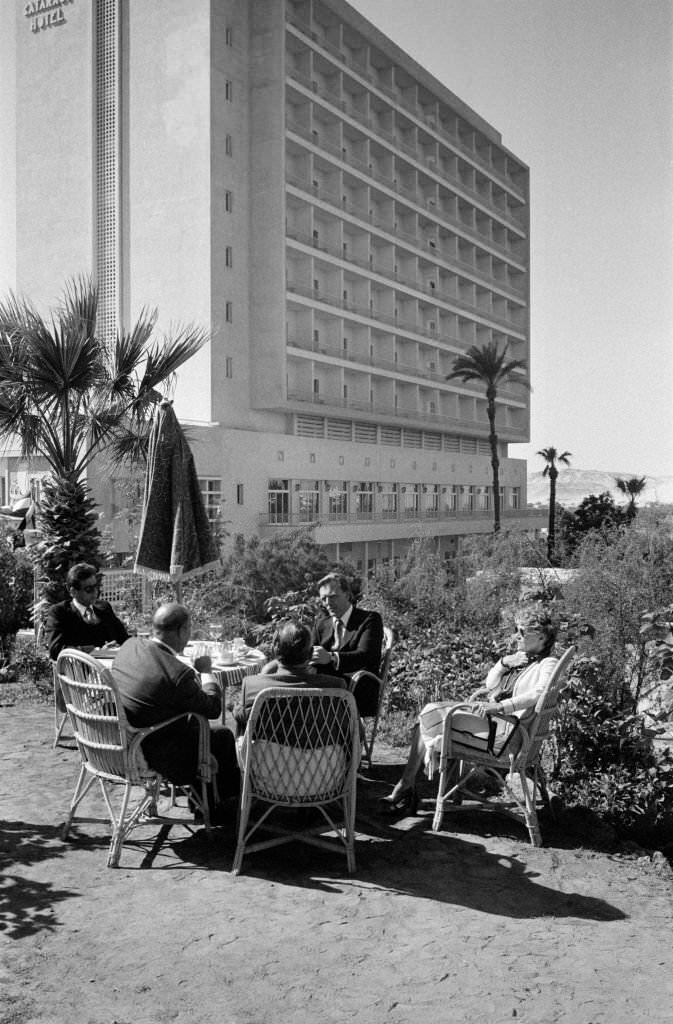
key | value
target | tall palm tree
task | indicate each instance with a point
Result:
(489, 365)
(70, 398)
(551, 457)
(633, 487)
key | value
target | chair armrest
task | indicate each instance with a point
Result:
(371, 688)
(362, 673)
(137, 735)
(481, 692)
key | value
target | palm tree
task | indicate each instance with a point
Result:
(488, 364)
(70, 398)
(633, 487)
(551, 457)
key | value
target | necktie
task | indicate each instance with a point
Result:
(338, 634)
(90, 616)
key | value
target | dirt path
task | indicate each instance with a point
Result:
(469, 925)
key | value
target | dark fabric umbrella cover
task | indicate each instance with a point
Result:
(175, 536)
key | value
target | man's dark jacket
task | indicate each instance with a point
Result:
(360, 649)
(65, 627)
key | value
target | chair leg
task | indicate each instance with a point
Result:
(349, 829)
(530, 810)
(84, 784)
(243, 816)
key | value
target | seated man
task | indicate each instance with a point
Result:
(155, 684)
(291, 651)
(82, 621)
(347, 639)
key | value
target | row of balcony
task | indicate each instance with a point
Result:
(296, 519)
(385, 409)
(428, 120)
(376, 362)
(351, 209)
(397, 322)
(425, 164)
(386, 268)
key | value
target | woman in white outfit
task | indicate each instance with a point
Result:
(514, 684)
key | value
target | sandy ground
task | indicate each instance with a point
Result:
(468, 925)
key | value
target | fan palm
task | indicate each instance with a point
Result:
(489, 365)
(68, 397)
(633, 487)
(551, 457)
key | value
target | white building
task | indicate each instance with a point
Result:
(281, 172)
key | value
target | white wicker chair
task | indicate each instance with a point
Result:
(458, 766)
(111, 753)
(370, 723)
(301, 749)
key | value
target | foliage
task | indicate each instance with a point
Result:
(16, 594)
(260, 568)
(490, 366)
(633, 487)
(618, 576)
(30, 670)
(551, 457)
(606, 760)
(595, 513)
(70, 395)
(68, 533)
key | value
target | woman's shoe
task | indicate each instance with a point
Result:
(404, 801)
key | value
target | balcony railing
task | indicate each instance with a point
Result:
(295, 519)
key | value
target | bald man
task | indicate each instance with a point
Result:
(155, 684)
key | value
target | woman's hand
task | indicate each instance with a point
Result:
(515, 660)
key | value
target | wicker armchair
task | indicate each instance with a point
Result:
(458, 766)
(364, 681)
(300, 749)
(111, 752)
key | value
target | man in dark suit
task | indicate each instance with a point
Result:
(155, 684)
(290, 667)
(83, 621)
(347, 639)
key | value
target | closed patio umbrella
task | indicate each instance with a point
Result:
(175, 536)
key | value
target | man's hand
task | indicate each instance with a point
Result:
(203, 663)
(320, 656)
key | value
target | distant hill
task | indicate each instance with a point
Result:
(573, 485)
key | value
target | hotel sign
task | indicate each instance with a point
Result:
(45, 13)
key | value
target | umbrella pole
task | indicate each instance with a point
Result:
(178, 591)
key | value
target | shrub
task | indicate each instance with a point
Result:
(16, 594)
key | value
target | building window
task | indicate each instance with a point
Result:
(228, 312)
(483, 499)
(466, 498)
(308, 500)
(228, 88)
(363, 493)
(452, 498)
(388, 500)
(211, 492)
(515, 497)
(279, 501)
(316, 386)
(229, 367)
(228, 145)
(228, 36)
(228, 201)
(431, 501)
(239, 494)
(410, 500)
(336, 501)
(228, 256)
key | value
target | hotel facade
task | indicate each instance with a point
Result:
(282, 173)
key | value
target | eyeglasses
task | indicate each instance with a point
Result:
(89, 590)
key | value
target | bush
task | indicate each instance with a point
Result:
(605, 760)
(16, 595)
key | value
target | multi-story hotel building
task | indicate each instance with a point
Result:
(345, 226)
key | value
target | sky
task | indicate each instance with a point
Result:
(581, 91)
